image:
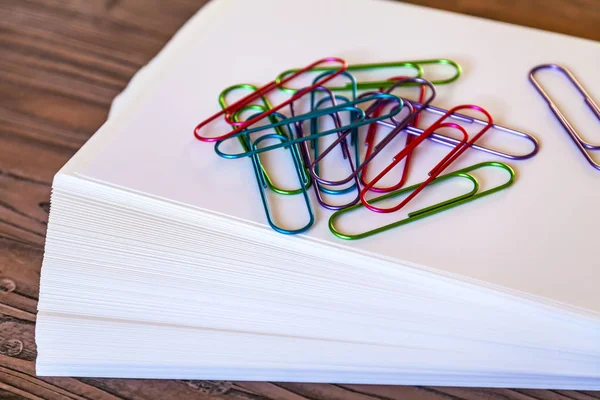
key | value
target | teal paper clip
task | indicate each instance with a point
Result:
(262, 183)
(236, 117)
(358, 119)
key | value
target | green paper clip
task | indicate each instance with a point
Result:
(371, 85)
(473, 194)
(236, 117)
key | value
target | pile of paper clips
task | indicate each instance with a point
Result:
(367, 106)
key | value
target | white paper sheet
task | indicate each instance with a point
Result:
(537, 237)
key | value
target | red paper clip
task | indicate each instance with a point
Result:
(370, 142)
(464, 144)
(228, 111)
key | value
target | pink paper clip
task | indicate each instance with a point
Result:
(464, 144)
(228, 111)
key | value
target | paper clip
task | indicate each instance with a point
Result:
(446, 161)
(336, 120)
(294, 121)
(358, 120)
(416, 65)
(331, 98)
(262, 184)
(472, 195)
(262, 91)
(386, 140)
(370, 142)
(582, 145)
(241, 86)
(451, 142)
(345, 153)
(262, 179)
(343, 145)
(243, 142)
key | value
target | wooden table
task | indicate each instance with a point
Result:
(62, 62)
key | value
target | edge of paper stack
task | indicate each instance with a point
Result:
(249, 304)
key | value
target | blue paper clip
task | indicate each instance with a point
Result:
(359, 119)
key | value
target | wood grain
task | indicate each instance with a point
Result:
(572, 17)
(61, 64)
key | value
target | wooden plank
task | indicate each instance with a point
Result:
(269, 390)
(476, 394)
(136, 14)
(322, 391)
(29, 159)
(396, 392)
(18, 376)
(42, 129)
(116, 40)
(20, 270)
(56, 82)
(555, 395)
(181, 390)
(577, 18)
(16, 393)
(388, 392)
(48, 53)
(17, 338)
(23, 208)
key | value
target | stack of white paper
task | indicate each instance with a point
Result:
(159, 262)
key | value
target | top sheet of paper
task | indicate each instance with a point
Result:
(537, 237)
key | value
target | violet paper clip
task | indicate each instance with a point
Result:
(581, 144)
(370, 112)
